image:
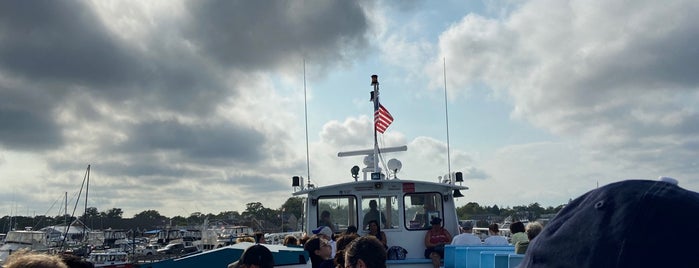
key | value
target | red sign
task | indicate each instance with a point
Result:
(408, 187)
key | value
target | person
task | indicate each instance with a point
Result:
(365, 252)
(73, 261)
(351, 230)
(495, 238)
(375, 230)
(518, 234)
(325, 220)
(341, 245)
(245, 239)
(27, 259)
(319, 250)
(466, 237)
(326, 233)
(255, 256)
(631, 223)
(304, 239)
(435, 239)
(290, 240)
(533, 229)
(373, 215)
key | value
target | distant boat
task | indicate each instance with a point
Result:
(290, 257)
(110, 259)
(23, 239)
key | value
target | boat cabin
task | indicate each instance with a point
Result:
(405, 208)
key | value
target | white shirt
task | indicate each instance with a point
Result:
(496, 240)
(466, 239)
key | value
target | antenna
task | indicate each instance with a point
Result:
(446, 115)
(305, 109)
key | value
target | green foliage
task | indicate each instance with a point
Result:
(531, 212)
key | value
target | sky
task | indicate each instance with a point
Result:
(205, 106)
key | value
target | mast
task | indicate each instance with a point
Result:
(375, 98)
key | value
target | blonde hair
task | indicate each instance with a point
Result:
(245, 239)
(26, 259)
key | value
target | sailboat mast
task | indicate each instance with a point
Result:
(87, 190)
(375, 98)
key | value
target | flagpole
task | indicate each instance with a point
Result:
(375, 83)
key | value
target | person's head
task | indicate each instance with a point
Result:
(372, 204)
(494, 228)
(304, 239)
(255, 256)
(325, 215)
(345, 240)
(365, 252)
(374, 226)
(351, 229)
(516, 227)
(466, 227)
(436, 223)
(245, 239)
(324, 232)
(533, 229)
(290, 240)
(73, 261)
(25, 259)
(318, 249)
(621, 224)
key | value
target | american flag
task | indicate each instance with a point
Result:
(382, 119)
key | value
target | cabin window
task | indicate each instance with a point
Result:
(337, 212)
(420, 208)
(383, 209)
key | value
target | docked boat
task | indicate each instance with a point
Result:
(405, 206)
(23, 239)
(110, 259)
(290, 257)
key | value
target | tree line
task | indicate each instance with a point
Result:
(255, 215)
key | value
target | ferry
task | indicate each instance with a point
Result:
(406, 205)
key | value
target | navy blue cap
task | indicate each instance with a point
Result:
(634, 223)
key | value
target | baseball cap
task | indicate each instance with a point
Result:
(467, 225)
(255, 255)
(633, 223)
(324, 230)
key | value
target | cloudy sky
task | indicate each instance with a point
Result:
(198, 106)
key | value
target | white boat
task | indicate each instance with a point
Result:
(23, 239)
(110, 259)
(407, 204)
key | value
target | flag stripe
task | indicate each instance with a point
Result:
(382, 119)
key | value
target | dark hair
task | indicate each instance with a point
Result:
(494, 227)
(257, 255)
(517, 227)
(311, 246)
(345, 240)
(339, 259)
(75, 262)
(378, 227)
(369, 250)
(351, 229)
(290, 240)
(304, 239)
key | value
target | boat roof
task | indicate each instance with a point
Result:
(359, 185)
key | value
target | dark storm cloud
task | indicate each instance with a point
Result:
(259, 34)
(206, 142)
(60, 40)
(26, 119)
